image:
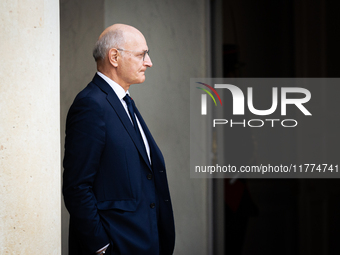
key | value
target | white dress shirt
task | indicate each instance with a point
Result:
(120, 92)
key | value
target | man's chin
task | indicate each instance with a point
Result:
(141, 80)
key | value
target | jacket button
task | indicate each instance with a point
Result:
(152, 205)
(149, 176)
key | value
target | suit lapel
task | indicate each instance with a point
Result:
(119, 109)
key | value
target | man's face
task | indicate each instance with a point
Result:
(131, 66)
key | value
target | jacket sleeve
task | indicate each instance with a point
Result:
(84, 143)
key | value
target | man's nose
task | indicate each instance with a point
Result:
(147, 60)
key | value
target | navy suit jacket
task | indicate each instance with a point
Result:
(112, 192)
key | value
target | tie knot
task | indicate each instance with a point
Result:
(127, 99)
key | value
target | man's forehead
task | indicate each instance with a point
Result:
(135, 40)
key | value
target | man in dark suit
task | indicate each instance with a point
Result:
(114, 184)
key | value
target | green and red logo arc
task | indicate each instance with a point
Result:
(209, 93)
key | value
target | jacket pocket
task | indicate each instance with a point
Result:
(128, 205)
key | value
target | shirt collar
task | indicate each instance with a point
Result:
(120, 92)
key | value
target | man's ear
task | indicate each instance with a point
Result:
(113, 57)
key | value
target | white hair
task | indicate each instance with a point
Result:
(112, 39)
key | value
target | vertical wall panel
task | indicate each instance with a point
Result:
(29, 127)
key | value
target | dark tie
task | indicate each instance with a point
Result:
(130, 105)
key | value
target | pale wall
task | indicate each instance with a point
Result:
(29, 128)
